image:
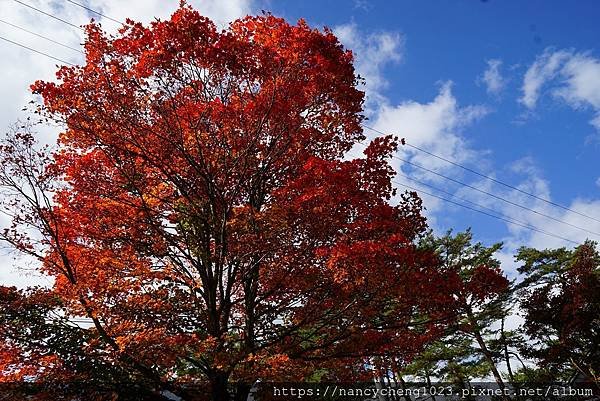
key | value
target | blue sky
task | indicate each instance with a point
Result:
(518, 84)
(509, 88)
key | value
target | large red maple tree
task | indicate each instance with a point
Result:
(200, 210)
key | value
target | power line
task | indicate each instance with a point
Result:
(95, 12)
(498, 216)
(504, 218)
(529, 226)
(37, 51)
(491, 194)
(40, 36)
(449, 193)
(487, 177)
(48, 14)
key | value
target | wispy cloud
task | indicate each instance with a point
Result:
(581, 87)
(492, 77)
(572, 77)
(373, 52)
(363, 5)
(530, 178)
(544, 69)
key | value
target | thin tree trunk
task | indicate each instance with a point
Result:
(488, 356)
(428, 379)
(392, 379)
(484, 349)
(506, 354)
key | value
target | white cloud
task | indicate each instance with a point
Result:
(21, 67)
(372, 53)
(575, 78)
(544, 69)
(582, 80)
(363, 5)
(21, 273)
(582, 84)
(436, 126)
(440, 124)
(539, 240)
(492, 77)
(220, 11)
(533, 182)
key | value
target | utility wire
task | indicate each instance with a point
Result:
(380, 132)
(496, 216)
(450, 194)
(491, 194)
(95, 12)
(48, 14)
(487, 177)
(501, 217)
(36, 51)
(40, 36)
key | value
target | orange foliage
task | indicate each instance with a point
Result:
(208, 221)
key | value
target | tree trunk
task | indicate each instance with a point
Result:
(218, 387)
(428, 379)
(506, 354)
(484, 349)
(403, 386)
(488, 356)
(242, 391)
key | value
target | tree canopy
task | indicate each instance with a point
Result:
(208, 224)
(201, 211)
